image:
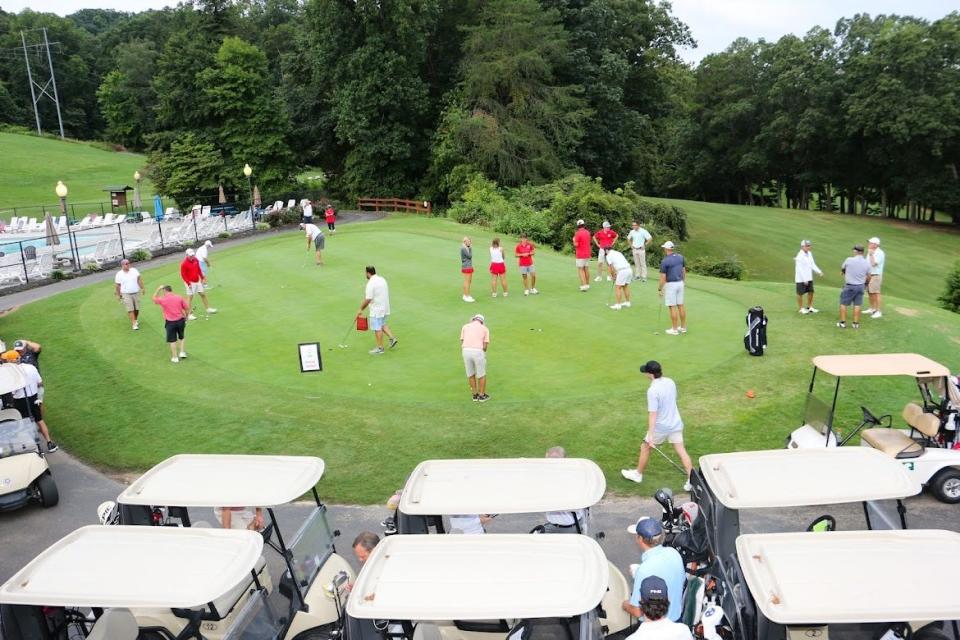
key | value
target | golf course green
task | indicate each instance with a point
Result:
(562, 367)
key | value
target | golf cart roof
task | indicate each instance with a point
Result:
(881, 364)
(798, 477)
(502, 485)
(853, 576)
(477, 577)
(118, 566)
(197, 480)
(11, 378)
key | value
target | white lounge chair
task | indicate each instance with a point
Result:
(120, 218)
(107, 220)
(205, 211)
(62, 224)
(97, 221)
(291, 203)
(12, 274)
(42, 266)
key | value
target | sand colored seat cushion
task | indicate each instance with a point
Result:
(893, 442)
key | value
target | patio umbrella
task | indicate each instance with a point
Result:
(157, 207)
(137, 201)
(256, 195)
(223, 198)
(52, 236)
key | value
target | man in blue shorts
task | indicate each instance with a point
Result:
(377, 298)
(856, 275)
(673, 276)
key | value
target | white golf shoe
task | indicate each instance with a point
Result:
(597, 279)
(632, 474)
(616, 307)
(468, 299)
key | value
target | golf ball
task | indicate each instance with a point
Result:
(369, 384)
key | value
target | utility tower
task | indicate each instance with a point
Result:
(49, 87)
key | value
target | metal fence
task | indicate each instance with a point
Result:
(30, 252)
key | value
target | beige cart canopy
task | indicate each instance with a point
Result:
(11, 378)
(198, 480)
(845, 577)
(151, 567)
(881, 364)
(798, 477)
(502, 485)
(480, 578)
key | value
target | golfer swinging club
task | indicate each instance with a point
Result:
(664, 423)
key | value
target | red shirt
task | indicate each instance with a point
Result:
(525, 247)
(174, 307)
(581, 243)
(330, 214)
(606, 237)
(190, 270)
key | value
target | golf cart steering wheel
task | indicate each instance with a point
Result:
(869, 418)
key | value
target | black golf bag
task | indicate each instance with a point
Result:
(755, 339)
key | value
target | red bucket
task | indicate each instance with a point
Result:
(362, 324)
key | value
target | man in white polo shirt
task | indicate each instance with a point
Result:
(377, 297)
(620, 271)
(128, 285)
(876, 257)
(803, 269)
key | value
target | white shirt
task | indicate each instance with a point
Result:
(662, 398)
(202, 253)
(496, 254)
(805, 266)
(128, 280)
(468, 524)
(565, 518)
(379, 296)
(662, 629)
(33, 381)
(308, 210)
(638, 237)
(617, 260)
(312, 231)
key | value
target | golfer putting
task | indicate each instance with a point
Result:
(620, 271)
(315, 237)
(663, 424)
(474, 340)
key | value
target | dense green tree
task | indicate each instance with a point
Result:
(191, 168)
(511, 119)
(126, 94)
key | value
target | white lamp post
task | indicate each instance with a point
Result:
(247, 171)
(74, 252)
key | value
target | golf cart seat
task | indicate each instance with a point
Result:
(898, 444)
(115, 624)
(10, 414)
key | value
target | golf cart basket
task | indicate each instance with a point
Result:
(18, 437)
(946, 405)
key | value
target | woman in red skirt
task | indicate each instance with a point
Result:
(466, 268)
(498, 268)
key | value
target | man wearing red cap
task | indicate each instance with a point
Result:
(192, 278)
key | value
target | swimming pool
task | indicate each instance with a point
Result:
(86, 242)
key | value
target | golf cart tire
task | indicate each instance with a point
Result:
(939, 482)
(319, 633)
(932, 631)
(49, 495)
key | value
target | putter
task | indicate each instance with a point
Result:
(670, 460)
(343, 343)
(610, 294)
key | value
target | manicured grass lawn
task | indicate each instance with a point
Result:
(562, 367)
(766, 239)
(30, 167)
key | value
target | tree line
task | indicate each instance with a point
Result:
(418, 97)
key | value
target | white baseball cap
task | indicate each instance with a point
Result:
(479, 317)
(189, 252)
(606, 225)
(580, 221)
(667, 245)
(208, 244)
(874, 240)
(804, 243)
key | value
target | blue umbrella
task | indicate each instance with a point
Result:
(158, 207)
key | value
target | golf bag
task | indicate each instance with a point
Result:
(755, 340)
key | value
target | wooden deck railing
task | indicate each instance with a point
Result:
(394, 205)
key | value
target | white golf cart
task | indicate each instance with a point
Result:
(854, 585)
(181, 488)
(926, 447)
(439, 490)
(154, 583)
(24, 473)
(479, 588)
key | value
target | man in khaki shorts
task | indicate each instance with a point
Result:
(474, 340)
(876, 257)
(663, 423)
(128, 285)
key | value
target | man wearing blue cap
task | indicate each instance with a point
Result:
(654, 602)
(656, 560)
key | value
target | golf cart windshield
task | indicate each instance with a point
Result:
(817, 414)
(257, 620)
(311, 547)
(18, 436)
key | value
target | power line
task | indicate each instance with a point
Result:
(37, 90)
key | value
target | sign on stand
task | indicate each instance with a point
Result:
(310, 357)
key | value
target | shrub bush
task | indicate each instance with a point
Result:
(90, 266)
(482, 203)
(139, 255)
(730, 267)
(950, 299)
(262, 226)
(57, 274)
(223, 234)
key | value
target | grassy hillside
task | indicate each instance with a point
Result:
(766, 239)
(31, 166)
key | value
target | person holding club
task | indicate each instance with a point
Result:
(663, 424)
(620, 271)
(314, 236)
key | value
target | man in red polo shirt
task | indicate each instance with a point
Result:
(192, 279)
(524, 252)
(604, 240)
(582, 252)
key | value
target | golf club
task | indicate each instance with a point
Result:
(610, 293)
(343, 343)
(656, 332)
(670, 460)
